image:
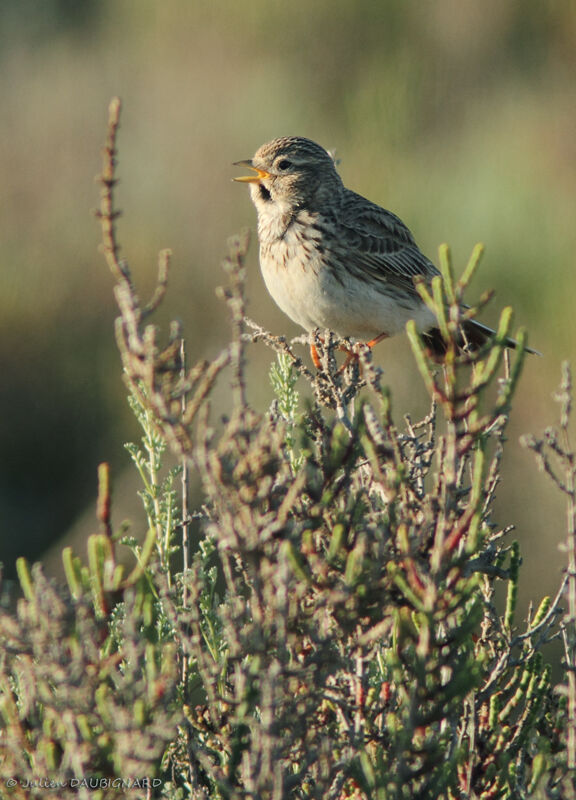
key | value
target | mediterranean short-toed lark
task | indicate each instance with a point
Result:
(332, 259)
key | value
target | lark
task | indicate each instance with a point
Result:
(330, 258)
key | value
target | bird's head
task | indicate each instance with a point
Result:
(291, 173)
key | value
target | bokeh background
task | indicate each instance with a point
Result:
(458, 115)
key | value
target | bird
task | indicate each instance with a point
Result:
(331, 259)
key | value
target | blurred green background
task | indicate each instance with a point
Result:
(460, 116)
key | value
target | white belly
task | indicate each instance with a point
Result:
(311, 296)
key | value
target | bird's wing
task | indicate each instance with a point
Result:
(379, 247)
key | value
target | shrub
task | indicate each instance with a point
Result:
(332, 631)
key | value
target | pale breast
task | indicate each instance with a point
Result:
(304, 269)
(316, 291)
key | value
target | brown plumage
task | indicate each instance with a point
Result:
(332, 259)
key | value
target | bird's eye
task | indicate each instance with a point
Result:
(284, 164)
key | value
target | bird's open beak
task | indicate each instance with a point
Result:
(260, 173)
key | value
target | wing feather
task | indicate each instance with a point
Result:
(379, 247)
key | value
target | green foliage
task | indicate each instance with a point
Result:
(83, 697)
(158, 495)
(333, 632)
(284, 378)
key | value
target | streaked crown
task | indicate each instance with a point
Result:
(295, 149)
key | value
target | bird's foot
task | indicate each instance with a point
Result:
(352, 353)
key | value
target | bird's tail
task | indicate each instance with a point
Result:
(474, 334)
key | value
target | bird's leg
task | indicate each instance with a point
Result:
(315, 356)
(377, 340)
(352, 354)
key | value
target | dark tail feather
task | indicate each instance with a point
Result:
(474, 335)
